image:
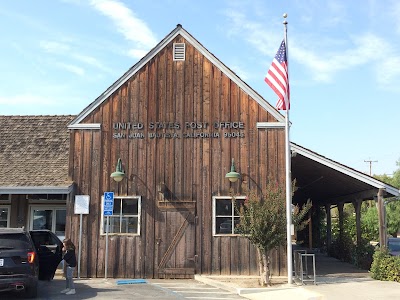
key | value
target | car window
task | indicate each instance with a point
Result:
(14, 240)
(44, 239)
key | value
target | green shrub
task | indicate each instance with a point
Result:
(342, 249)
(359, 255)
(362, 255)
(385, 267)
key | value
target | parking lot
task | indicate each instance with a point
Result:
(336, 280)
(109, 289)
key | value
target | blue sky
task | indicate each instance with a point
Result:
(57, 56)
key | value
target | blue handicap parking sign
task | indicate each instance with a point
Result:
(108, 203)
(109, 196)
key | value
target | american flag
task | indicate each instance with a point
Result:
(278, 78)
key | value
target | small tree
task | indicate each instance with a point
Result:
(299, 214)
(263, 222)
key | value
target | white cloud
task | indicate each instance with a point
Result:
(89, 60)
(71, 68)
(324, 65)
(337, 13)
(242, 73)
(137, 53)
(67, 51)
(388, 71)
(54, 47)
(324, 59)
(327, 14)
(253, 32)
(130, 26)
(395, 14)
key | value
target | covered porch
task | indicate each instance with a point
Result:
(329, 184)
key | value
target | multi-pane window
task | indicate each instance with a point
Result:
(125, 218)
(226, 214)
(4, 216)
(4, 210)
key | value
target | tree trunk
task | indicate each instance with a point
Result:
(260, 267)
(264, 267)
(267, 268)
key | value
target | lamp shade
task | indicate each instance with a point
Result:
(233, 176)
(118, 175)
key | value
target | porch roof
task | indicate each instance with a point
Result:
(326, 181)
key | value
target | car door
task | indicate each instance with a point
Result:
(49, 249)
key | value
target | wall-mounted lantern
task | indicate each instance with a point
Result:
(233, 176)
(118, 175)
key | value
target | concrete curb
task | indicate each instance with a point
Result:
(216, 283)
(231, 287)
(281, 292)
(245, 291)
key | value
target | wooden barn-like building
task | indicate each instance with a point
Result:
(173, 125)
(176, 120)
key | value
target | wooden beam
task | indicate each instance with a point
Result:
(363, 195)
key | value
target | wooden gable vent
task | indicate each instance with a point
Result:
(179, 51)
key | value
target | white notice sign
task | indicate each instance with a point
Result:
(82, 204)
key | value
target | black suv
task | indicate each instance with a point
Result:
(19, 263)
(26, 257)
(49, 249)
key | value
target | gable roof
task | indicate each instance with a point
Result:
(133, 70)
(34, 153)
(327, 181)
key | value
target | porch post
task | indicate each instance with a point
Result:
(310, 237)
(328, 226)
(357, 208)
(382, 229)
(341, 220)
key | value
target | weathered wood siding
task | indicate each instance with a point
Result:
(190, 170)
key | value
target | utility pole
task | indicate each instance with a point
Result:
(370, 165)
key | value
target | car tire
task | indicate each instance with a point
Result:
(31, 291)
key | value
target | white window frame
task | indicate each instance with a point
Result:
(45, 207)
(8, 207)
(103, 230)
(214, 216)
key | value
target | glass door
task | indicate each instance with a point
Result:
(50, 218)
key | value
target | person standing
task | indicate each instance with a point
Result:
(69, 258)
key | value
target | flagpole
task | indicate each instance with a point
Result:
(288, 176)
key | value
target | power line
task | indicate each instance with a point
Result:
(370, 165)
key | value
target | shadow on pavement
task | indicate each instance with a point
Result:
(51, 290)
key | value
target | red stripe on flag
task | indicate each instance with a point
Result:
(278, 79)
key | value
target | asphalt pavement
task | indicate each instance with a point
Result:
(165, 289)
(335, 280)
